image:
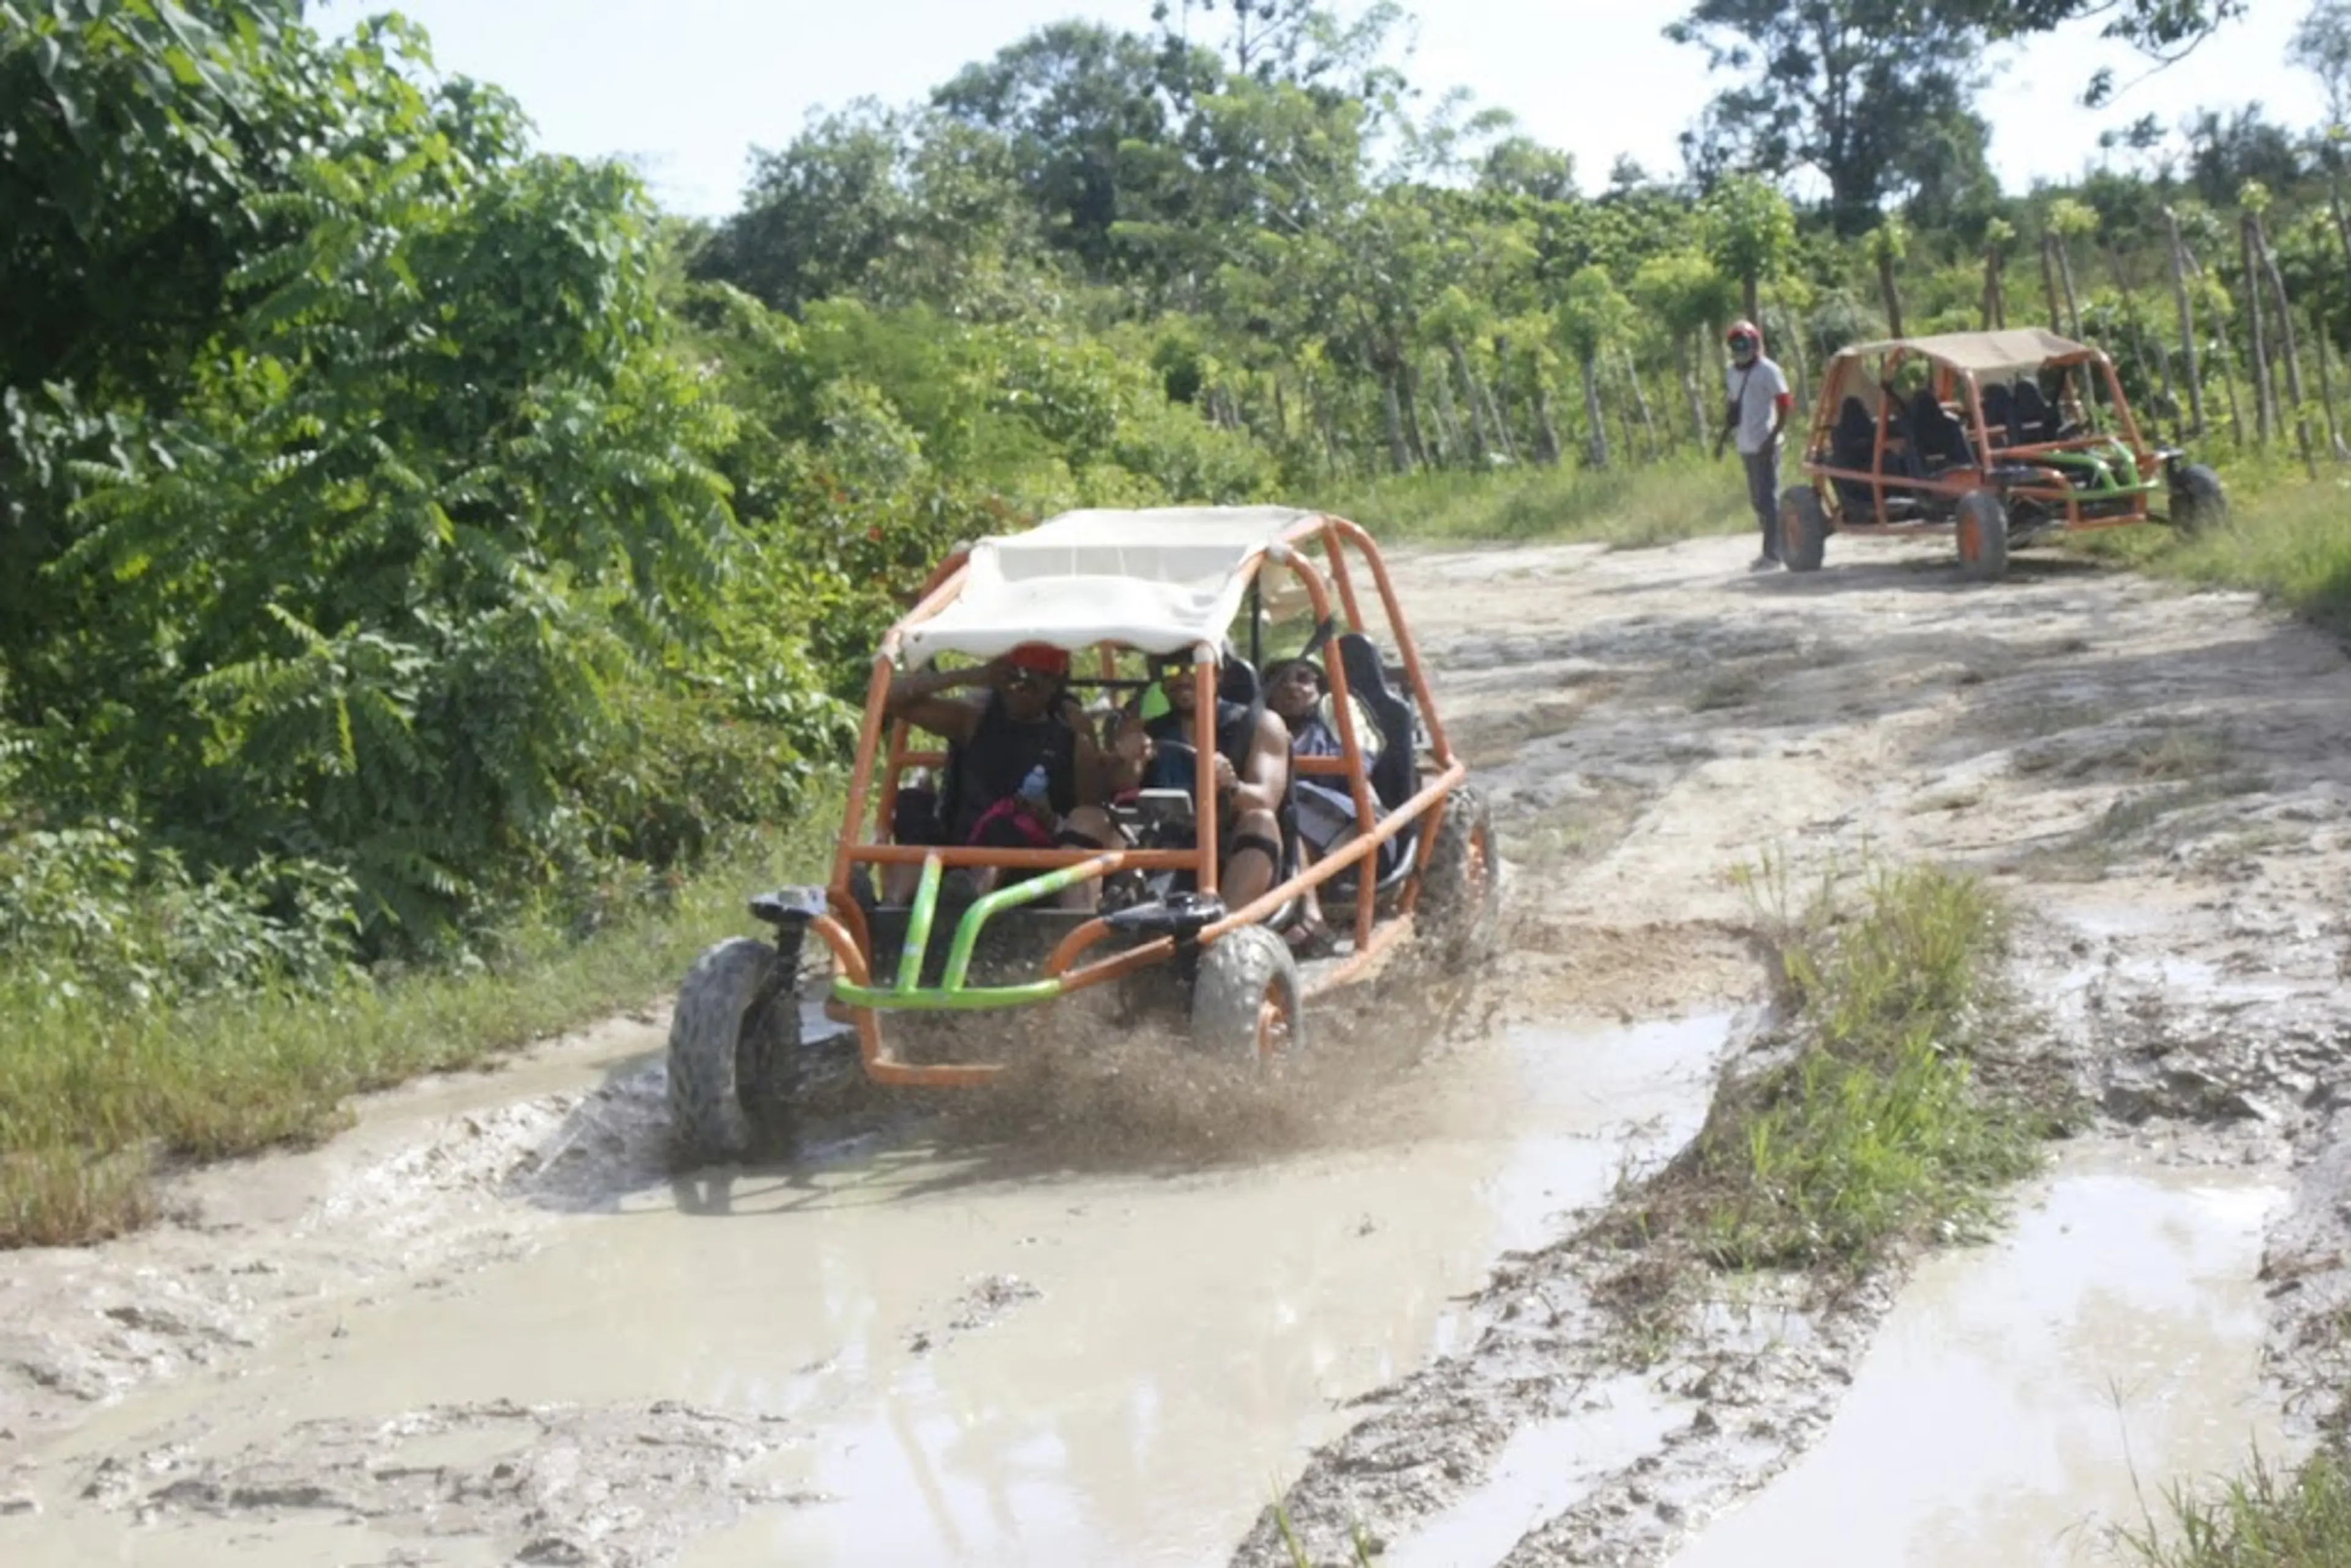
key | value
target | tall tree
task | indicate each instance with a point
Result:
(1751, 232)
(1862, 92)
(1069, 97)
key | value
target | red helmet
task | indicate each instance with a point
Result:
(1747, 330)
(1042, 658)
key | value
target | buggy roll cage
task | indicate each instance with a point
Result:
(837, 917)
(2122, 498)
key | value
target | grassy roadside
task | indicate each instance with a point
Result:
(98, 1096)
(1875, 1130)
(1628, 507)
(2286, 538)
(2262, 1519)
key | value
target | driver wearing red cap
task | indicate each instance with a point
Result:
(1020, 774)
(1755, 413)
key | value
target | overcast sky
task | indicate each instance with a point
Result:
(687, 87)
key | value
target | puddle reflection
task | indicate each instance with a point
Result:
(2001, 1411)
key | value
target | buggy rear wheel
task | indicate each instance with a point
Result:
(1983, 537)
(2197, 501)
(1461, 888)
(1246, 1004)
(1804, 528)
(734, 1053)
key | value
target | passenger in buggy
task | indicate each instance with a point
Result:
(1021, 771)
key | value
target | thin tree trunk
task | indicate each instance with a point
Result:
(1448, 420)
(1399, 449)
(1751, 293)
(2065, 278)
(1994, 313)
(2049, 279)
(1698, 433)
(2287, 346)
(1886, 286)
(1546, 428)
(1410, 391)
(1651, 446)
(2194, 371)
(2265, 392)
(1481, 442)
(1595, 446)
(2336, 446)
(2334, 202)
(2153, 357)
(1495, 395)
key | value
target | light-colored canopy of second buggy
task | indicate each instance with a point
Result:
(2004, 352)
(1163, 579)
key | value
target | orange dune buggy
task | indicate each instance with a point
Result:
(2000, 438)
(1112, 589)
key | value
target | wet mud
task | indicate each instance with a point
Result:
(1108, 1312)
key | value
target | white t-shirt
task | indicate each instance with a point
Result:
(1757, 389)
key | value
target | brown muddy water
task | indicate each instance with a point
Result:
(2024, 1399)
(908, 1352)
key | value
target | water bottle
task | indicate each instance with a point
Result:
(1034, 790)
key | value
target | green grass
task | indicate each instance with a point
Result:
(1625, 506)
(2260, 1519)
(2287, 539)
(97, 1098)
(1874, 1131)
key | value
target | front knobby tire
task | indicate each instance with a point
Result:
(734, 1053)
(1461, 888)
(1983, 537)
(1804, 528)
(1247, 1007)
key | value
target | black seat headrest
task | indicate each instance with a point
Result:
(1393, 770)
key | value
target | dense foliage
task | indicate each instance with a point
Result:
(402, 530)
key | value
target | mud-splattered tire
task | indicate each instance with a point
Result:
(1983, 537)
(1461, 890)
(733, 1050)
(2197, 501)
(1246, 1006)
(1804, 528)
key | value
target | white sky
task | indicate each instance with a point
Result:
(687, 87)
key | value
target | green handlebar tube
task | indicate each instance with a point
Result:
(952, 994)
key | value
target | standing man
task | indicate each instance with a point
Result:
(1756, 413)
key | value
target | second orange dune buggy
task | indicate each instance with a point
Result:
(1114, 589)
(2001, 439)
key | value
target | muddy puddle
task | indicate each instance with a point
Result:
(894, 1353)
(2024, 1399)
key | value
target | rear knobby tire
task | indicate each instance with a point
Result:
(1247, 1005)
(734, 1051)
(2197, 501)
(1461, 888)
(1983, 537)
(1804, 528)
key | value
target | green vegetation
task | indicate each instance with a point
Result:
(1628, 507)
(96, 1091)
(1875, 1130)
(419, 557)
(2263, 1519)
(2285, 539)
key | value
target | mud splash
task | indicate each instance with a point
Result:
(921, 1351)
(2024, 1398)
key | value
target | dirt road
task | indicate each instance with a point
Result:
(485, 1326)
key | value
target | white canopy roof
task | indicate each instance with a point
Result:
(2009, 349)
(1163, 581)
